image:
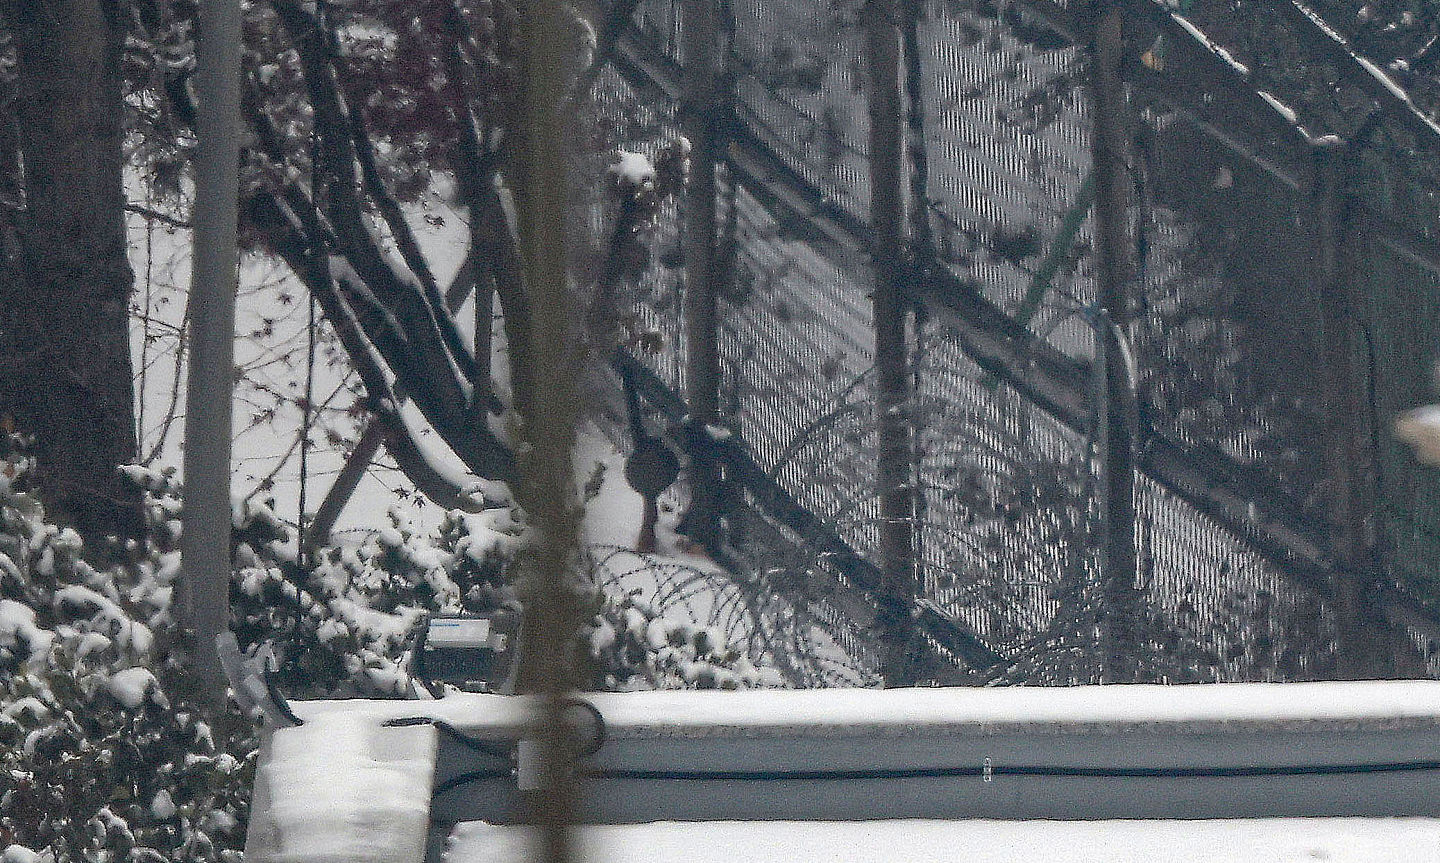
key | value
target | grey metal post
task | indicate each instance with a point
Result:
(205, 544)
(894, 469)
(1349, 465)
(700, 109)
(546, 484)
(1120, 632)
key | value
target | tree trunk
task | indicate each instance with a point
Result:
(65, 368)
(205, 546)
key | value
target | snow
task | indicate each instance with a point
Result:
(137, 637)
(1281, 108)
(840, 709)
(633, 169)
(27, 706)
(342, 789)
(1293, 840)
(1383, 79)
(1199, 36)
(21, 854)
(131, 686)
(17, 626)
(1421, 429)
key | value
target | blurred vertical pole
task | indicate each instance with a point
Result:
(205, 543)
(699, 111)
(1120, 632)
(1348, 462)
(894, 468)
(552, 605)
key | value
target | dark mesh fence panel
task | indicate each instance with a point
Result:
(1005, 522)
(799, 89)
(1230, 332)
(1227, 332)
(1219, 611)
(1402, 334)
(1008, 148)
(796, 338)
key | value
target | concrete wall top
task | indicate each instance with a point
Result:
(843, 712)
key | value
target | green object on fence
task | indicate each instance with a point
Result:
(1059, 248)
(1041, 281)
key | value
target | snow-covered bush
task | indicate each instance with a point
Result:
(104, 755)
(630, 646)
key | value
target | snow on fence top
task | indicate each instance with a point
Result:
(821, 711)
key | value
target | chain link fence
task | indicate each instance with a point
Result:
(1227, 330)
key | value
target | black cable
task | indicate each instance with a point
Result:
(484, 747)
(276, 696)
(973, 771)
(464, 779)
(600, 732)
(505, 753)
(1013, 770)
(994, 770)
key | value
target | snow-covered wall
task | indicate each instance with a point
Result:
(343, 786)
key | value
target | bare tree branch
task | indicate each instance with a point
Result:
(494, 236)
(287, 223)
(437, 385)
(158, 216)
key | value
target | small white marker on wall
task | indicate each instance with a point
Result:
(527, 765)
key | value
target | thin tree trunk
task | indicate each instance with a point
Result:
(205, 544)
(345, 484)
(64, 312)
(1112, 268)
(895, 484)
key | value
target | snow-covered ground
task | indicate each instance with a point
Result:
(1290, 840)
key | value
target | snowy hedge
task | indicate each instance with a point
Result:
(104, 756)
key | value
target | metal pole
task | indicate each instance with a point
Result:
(552, 605)
(205, 543)
(1120, 636)
(895, 466)
(1348, 461)
(699, 111)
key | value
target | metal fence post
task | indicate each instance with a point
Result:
(894, 470)
(698, 115)
(1120, 623)
(546, 484)
(1349, 465)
